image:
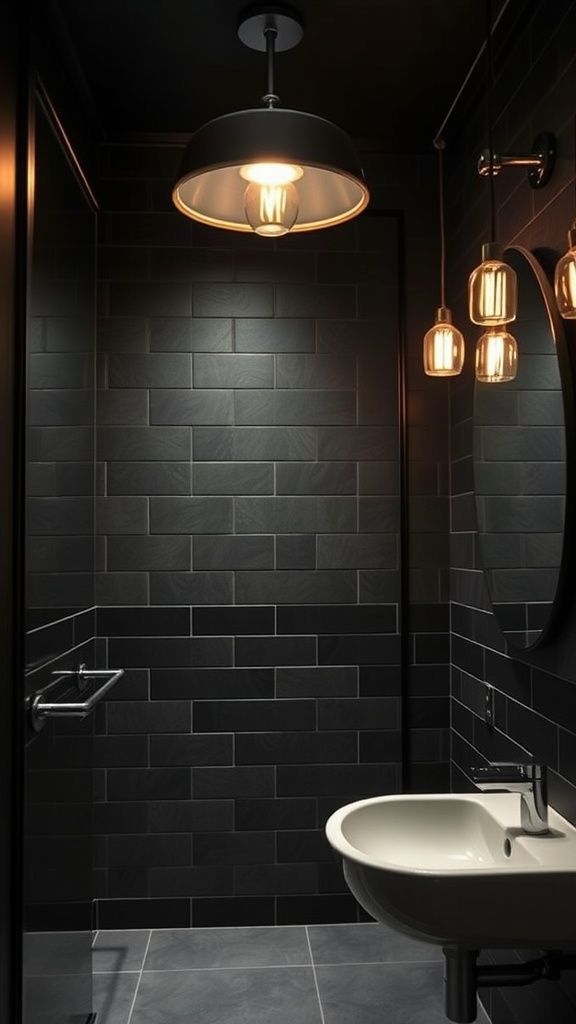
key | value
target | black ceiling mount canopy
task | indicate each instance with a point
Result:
(286, 22)
(268, 169)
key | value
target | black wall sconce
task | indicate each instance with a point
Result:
(540, 162)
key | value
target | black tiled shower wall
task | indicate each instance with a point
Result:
(535, 697)
(250, 548)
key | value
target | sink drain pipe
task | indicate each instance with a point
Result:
(463, 977)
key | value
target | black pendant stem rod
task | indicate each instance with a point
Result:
(270, 33)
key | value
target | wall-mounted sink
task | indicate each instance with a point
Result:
(456, 869)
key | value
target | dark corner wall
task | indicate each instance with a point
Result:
(534, 90)
(280, 614)
(11, 328)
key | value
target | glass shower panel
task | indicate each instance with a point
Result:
(58, 873)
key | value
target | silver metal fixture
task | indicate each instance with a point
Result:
(530, 780)
(540, 162)
(40, 708)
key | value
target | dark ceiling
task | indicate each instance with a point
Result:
(386, 71)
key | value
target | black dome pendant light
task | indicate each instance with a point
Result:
(270, 170)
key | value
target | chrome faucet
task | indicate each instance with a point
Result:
(530, 780)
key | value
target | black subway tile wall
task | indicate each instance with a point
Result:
(250, 577)
(535, 694)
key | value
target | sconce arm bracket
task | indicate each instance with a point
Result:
(540, 162)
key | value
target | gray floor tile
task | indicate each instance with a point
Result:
(372, 993)
(113, 996)
(119, 950)
(261, 996)
(197, 948)
(54, 953)
(64, 997)
(366, 943)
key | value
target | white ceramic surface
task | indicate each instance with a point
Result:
(457, 869)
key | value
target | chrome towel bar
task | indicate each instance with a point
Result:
(40, 708)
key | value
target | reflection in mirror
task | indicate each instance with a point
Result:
(520, 462)
(59, 386)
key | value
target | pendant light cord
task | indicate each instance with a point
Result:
(471, 70)
(490, 115)
(440, 144)
(574, 144)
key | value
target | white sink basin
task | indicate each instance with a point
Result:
(457, 869)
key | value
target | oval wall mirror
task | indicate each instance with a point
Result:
(520, 466)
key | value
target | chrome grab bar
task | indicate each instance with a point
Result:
(40, 709)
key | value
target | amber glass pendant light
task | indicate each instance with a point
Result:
(492, 286)
(565, 279)
(565, 273)
(496, 356)
(443, 344)
(492, 289)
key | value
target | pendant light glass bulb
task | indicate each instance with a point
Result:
(496, 356)
(492, 290)
(271, 210)
(443, 347)
(565, 279)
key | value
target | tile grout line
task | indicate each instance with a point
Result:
(283, 967)
(233, 967)
(314, 973)
(139, 978)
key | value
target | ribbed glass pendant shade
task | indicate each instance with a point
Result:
(492, 290)
(443, 347)
(496, 356)
(565, 279)
(224, 158)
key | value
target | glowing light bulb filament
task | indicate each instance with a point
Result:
(272, 204)
(443, 348)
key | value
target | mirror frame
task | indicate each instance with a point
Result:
(557, 331)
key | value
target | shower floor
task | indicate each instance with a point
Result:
(313, 974)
